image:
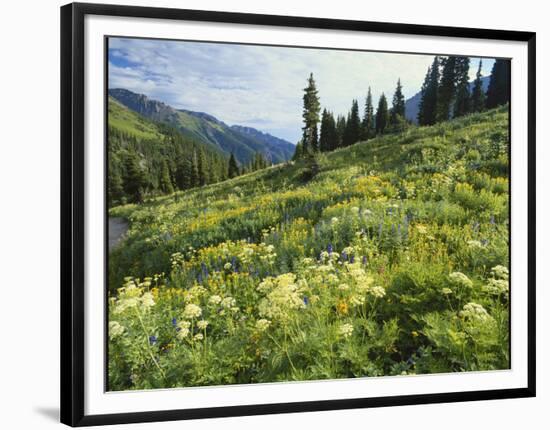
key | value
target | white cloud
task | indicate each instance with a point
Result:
(258, 86)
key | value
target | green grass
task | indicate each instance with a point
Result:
(131, 123)
(388, 260)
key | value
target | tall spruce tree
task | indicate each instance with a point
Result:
(324, 144)
(310, 116)
(298, 153)
(478, 95)
(340, 130)
(367, 125)
(382, 115)
(135, 177)
(165, 182)
(447, 89)
(427, 112)
(194, 174)
(498, 92)
(328, 139)
(202, 168)
(463, 101)
(232, 167)
(397, 116)
(352, 133)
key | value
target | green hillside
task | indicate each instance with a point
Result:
(148, 158)
(206, 129)
(387, 257)
(130, 123)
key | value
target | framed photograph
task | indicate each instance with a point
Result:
(270, 214)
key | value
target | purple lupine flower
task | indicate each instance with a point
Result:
(329, 248)
(344, 256)
(306, 300)
(152, 340)
(199, 278)
(364, 260)
(352, 259)
(174, 322)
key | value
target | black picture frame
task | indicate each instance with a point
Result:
(72, 212)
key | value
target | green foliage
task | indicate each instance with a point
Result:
(478, 95)
(233, 168)
(310, 115)
(328, 140)
(386, 257)
(398, 106)
(382, 115)
(498, 92)
(352, 132)
(368, 125)
(462, 102)
(428, 108)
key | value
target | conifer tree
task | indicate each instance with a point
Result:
(165, 182)
(428, 102)
(498, 92)
(232, 167)
(478, 95)
(447, 89)
(202, 168)
(195, 174)
(382, 115)
(328, 140)
(462, 103)
(352, 133)
(397, 116)
(310, 116)
(368, 126)
(324, 144)
(340, 130)
(298, 153)
(135, 179)
(183, 170)
(115, 187)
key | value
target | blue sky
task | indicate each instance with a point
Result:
(260, 86)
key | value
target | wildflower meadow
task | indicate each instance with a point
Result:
(387, 257)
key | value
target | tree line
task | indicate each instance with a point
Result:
(446, 90)
(445, 94)
(140, 168)
(343, 130)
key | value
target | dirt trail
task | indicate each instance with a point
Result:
(117, 229)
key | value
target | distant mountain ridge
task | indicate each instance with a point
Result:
(412, 104)
(243, 142)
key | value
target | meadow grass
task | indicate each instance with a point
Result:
(391, 258)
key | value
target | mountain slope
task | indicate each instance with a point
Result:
(243, 142)
(412, 104)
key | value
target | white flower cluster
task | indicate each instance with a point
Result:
(345, 330)
(192, 311)
(460, 279)
(500, 272)
(475, 312)
(115, 329)
(132, 296)
(262, 324)
(283, 294)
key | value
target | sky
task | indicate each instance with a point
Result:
(261, 86)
